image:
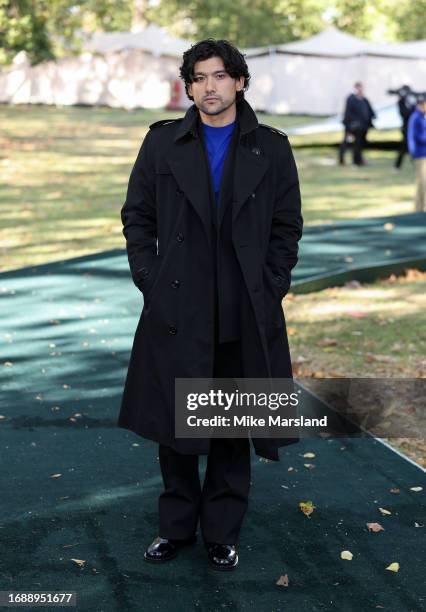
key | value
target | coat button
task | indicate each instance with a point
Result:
(175, 284)
(253, 195)
(256, 151)
(172, 330)
(179, 237)
(144, 272)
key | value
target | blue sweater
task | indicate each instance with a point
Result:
(217, 142)
(417, 134)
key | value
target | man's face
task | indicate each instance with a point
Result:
(359, 89)
(213, 89)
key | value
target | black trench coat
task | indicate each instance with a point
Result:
(168, 237)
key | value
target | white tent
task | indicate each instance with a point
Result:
(315, 75)
(118, 69)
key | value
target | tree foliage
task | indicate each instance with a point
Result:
(49, 28)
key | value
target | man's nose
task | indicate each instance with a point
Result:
(210, 84)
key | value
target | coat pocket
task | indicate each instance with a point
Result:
(272, 301)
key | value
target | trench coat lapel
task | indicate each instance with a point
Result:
(188, 166)
(187, 163)
(250, 167)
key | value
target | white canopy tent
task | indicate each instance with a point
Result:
(118, 69)
(315, 75)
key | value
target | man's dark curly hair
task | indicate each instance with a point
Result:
(233, 60)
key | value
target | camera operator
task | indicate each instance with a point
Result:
(406, 105)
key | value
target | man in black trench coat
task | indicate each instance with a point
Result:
(212, 221)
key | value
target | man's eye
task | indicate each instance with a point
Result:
(198, 79)
(221, 75)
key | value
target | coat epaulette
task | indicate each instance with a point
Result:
(273, 129)
(163, 122)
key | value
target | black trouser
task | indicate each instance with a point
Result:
(221, 502)
(357, 146)
(403, 147)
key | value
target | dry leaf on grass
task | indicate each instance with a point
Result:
(384, 511)
(309, 455)
(327, 342)
(282, 580)
(307, 508)
(309, 466)
(375, 527)
(395, 490)
(393, 567)
(384, 358)
(416, 489)
(55, 475)
(347, 555)
(79, 562)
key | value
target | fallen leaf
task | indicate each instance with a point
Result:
(375, 527)
(416, 524)
(389, 226)
(353, 284)
(282, 580)
(79, 562)
(384, 511)
(55, 475)
(307, 508)
(301, 359)
(309, 455)
(384, 358)
(416, 489)
(327, 342)
(346, 554)
(395, 490)
(393, 567)
(309, 466)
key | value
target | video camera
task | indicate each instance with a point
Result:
(408, 95)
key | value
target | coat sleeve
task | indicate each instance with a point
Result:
(287, 224)
(138, 216)
(347, 114)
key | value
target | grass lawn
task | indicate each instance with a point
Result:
(64, 173)
(363, 331)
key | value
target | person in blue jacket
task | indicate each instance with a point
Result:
(417, 147)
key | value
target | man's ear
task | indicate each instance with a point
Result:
(240, 83)
(190, 89)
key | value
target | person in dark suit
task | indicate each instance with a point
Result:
(357, 119)
(212, 221)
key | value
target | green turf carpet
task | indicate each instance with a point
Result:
(74, 486)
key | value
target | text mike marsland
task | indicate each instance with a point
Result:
(252, 422)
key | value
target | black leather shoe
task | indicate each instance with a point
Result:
(162, 549)
(222, 557)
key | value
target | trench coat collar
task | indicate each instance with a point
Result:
(246, 117)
